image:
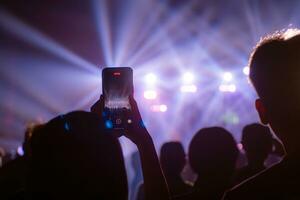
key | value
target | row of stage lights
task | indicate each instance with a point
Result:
(227, 85)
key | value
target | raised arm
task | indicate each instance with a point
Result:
(155, 185)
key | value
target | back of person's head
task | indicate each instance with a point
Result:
(213, 153)
(274, 72)
(73, 156)
(172, 158)
(32, 128)
(257, 142)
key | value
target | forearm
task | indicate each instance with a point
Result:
(154, 182)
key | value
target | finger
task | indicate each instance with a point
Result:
(94, 107)
(101, 104)
(133, 104)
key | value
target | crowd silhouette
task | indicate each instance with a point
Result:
(74, 156)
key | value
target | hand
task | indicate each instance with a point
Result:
(101, 111)
(135, 130)
(98, 107)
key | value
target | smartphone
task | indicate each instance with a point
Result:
(117, 86)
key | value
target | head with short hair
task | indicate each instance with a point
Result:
(275, 74)
(213, 153)
(172, 158)
(257, 142)
(73, 156)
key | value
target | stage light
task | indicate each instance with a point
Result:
(20, 151)
(150, 94)
(246, 70)
(150, 78)
(188, 77)
(159, 108)
(227, 88)
(227, 76)
(163, 108)
(188, 88)
(240, 146)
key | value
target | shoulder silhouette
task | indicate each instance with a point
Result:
(73, 157)
(257, 144)
(274, 72)
(212, 155)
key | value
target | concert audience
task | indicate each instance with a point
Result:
(74, 156)
(274, 72)
(257, 144)
(172, 160)
(212, 155)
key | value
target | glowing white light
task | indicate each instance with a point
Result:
(150, 78)
(240, 146)
(159, 108)
(246, 70)
(150, 94)
(227, 76)
(227, 88)
(20, 151)
(163, 108)
(188, 77)
(188, 88)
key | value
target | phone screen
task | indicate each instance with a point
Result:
(117, 86)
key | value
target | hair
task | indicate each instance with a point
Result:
(257, 141)
(275, 67)
(172, 158)
(213, 151)
(73, 156)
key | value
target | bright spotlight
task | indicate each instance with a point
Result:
(163, 108)
(188, 88)
(150, 94)
(227, 88)
(246, 70)
(20, 151)
(150, 78)
(188, 77)
(227, 76)
(159, 108)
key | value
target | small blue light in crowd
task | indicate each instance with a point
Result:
(108, 124)
(67, 127)
(104, 114)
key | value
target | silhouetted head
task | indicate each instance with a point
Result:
(73, 156)
(32, 128)
(213, 153)
(172, 158)
(257, 143)
(275, 72)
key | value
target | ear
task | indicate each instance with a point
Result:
(262, 112)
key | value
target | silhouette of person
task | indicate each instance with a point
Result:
(13, 174)
(172, 160)
(274, 72)
(257, 144)
(212, 154)
(73, 157)
(155, 186)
